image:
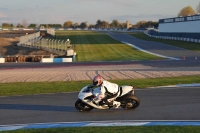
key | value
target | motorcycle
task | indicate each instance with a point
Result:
(126, 97)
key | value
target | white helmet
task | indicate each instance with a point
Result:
(98, 80)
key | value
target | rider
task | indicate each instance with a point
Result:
(107, 89)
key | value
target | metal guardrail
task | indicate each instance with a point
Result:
(174, 38)
(60, 47)
(29, 38)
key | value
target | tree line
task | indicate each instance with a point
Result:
(99, 25)
(69, 24)
(188, 10)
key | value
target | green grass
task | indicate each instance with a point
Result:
(25, 88)
(95, 46)
(182, 44)
(123, 129)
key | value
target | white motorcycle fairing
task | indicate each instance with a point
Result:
(85, 92)
(87, 95)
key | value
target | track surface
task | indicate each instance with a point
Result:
(39, 72)
(156, 104)
(159, 64)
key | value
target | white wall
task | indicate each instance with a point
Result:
(2, 60)
(51, 60)
(186, 27)
(47, 60)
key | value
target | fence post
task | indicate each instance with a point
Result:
(52, 44)
(49, 44)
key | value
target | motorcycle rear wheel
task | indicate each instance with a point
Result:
(82, 107)
(131, 102)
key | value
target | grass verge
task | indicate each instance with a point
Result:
(96, 46)
(182, 44)
(26, 88)
(123, 129)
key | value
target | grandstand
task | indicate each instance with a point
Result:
(184, 27)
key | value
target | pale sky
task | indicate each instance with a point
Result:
(60, 11)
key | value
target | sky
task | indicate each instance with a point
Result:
(78, 11)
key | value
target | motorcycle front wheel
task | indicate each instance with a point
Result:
(82, 107)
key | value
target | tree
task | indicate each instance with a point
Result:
(145, 24)
(115, 24)
(84, 25)
(155, 24)
(91, 26)
(140, 24)
(123, 25)
(106, 24)
(99, 23)
(67, 24)
(102, 24)
(186, 11)
(76, 25)
(198, 8)
(7, 25)
(51, 25)
(19, 25)
(32, 26)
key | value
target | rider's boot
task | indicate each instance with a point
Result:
(116, 104)
(109, 103)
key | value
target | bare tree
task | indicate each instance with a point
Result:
(24, 23)
(198, 8)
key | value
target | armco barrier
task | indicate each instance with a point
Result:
(174, 38)
(22, 59)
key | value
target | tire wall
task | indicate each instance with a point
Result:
(23, 59)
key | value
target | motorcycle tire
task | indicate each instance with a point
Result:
(82, 107)
(131, 102)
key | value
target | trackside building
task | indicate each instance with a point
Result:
(184, 27)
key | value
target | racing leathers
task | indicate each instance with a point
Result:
(108, 92)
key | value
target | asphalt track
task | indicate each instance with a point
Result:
(155, 47)
(179, 103)
(153, 63)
